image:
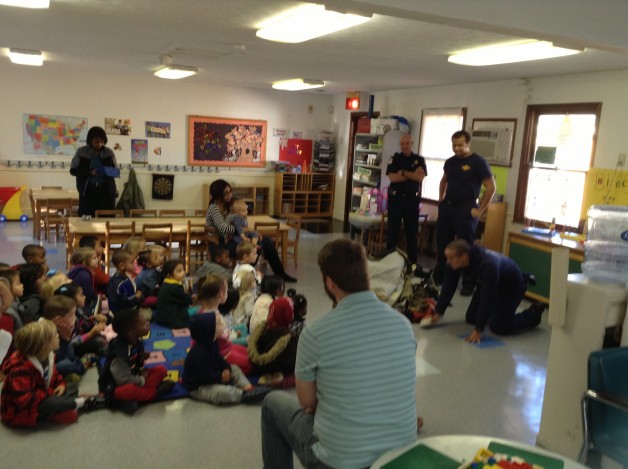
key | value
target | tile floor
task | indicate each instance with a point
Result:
(495, 391)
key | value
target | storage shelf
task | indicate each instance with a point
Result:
(372, 166)
(305, 194)
(256, 197)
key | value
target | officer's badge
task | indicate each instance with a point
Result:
(465, 167)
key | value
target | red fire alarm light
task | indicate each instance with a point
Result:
(352, 103)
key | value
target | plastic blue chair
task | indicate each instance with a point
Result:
(605, 405)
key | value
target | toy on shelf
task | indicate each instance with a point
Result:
(10, 203)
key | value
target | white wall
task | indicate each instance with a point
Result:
(53, 90)
(508, 99)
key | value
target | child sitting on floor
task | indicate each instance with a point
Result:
(300, 311)
(7, 321)
(272, 287)
(121, 291)
(17, 290)
(84, 262)
(33, 391)
(219, 264)
(61, 310)
(246, 256)
(173, 301)
(35, 254)
(124, 380)
(101, 279)
(135, 245)
(213, 292)
(87, 334)
(149, 279)
(272, 349)
(207, 375)
(32, 277)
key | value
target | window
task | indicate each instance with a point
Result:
(437, 126)
(558, 151)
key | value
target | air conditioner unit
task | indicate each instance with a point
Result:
(492, 144)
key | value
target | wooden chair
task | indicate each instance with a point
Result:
(171, 213)
(292, 248)
(270, 229)
(53, 211)
(200, 212)
(376, 241)
(159, 233)
(69, 242)
(109, 213)
(143, 213)
(115, 235)
(196, 245)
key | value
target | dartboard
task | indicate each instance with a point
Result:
(162, 186)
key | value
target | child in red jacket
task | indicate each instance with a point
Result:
(33, 391)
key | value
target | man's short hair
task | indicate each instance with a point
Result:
(462, 133)
(344, 261)
(89, 241)
(459, 246)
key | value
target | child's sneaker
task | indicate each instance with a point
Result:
(94, 403)
(271, 379)
(255, 395)
(165, 387)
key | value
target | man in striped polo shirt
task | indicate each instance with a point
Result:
(355, 377)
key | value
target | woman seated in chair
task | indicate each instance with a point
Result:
(220, 203)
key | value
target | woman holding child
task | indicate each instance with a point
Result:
(220, 193)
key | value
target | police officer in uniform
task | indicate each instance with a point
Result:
(405, 171)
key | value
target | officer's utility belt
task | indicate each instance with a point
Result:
(396, 193)
(459, 203)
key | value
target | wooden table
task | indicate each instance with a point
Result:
(463, 448)
(45, 194)
(96, 227)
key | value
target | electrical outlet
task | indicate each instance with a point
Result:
(621, 160)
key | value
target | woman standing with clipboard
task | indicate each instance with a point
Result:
(95, 168)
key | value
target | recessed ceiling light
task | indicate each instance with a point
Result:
(26, 3)
(298, 84)
(26, 57)
(510, 53)
(176, 72)
(307, 23)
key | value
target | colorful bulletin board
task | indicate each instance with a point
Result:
(296, 151)
(605, 187)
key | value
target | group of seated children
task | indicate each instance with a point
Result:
(96, 316)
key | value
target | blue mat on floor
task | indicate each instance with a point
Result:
(486, 342)
(168, 347)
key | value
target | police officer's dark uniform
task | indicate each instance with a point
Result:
(403, 203)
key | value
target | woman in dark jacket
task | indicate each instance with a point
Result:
(95, 184)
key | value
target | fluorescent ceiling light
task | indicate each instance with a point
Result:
(26, 3)
(510, 53)
(26, 57)
(307, 23)
(176, 72)
(298, 84)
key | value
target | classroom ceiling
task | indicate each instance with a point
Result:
(405, 46)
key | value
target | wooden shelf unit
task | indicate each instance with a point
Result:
(305, 194)
(256, 197)
(491, 226)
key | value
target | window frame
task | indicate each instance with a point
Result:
(533, 112)
(426, 113)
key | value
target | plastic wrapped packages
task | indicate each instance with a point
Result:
(606, 248)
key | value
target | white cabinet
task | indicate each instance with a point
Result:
(371, 155)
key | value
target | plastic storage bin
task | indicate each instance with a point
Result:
(606, 248)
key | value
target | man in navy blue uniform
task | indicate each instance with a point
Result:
(405, 171)
(500, 286)
(458, 212)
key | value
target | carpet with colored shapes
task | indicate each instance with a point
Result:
(168, 347)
